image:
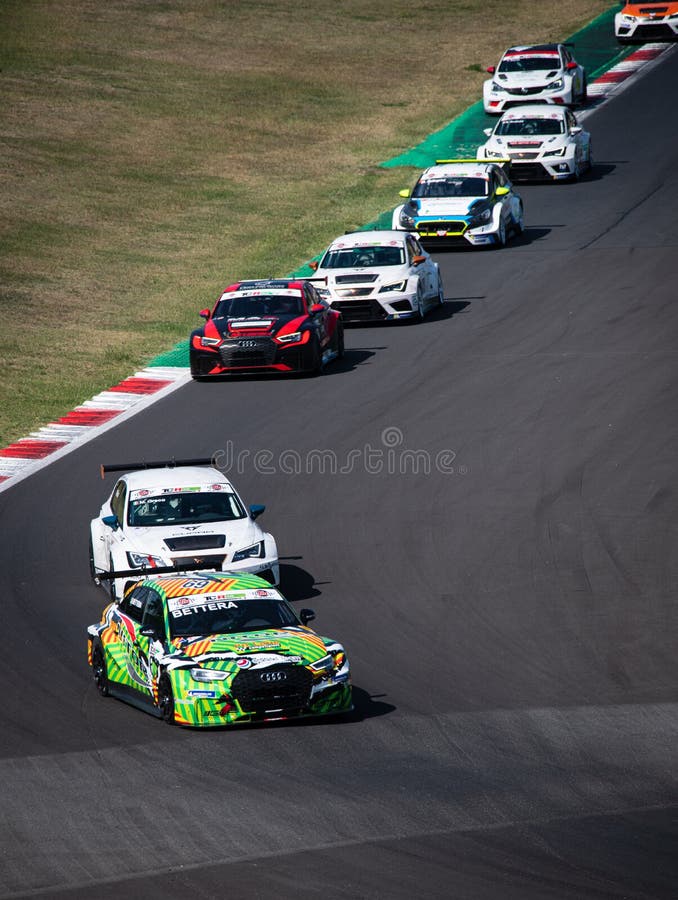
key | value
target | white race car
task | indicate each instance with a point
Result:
(541, 141)
(541, 73)
(178, 512)
(459, 202)
(639, 22)
(378, 275)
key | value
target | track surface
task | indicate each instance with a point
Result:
(511, 624)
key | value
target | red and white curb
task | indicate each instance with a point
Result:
(85, 422)
(609, 83)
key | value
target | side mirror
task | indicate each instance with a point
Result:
(491, 69)
(256, 510)
(404, 193)
(205, 314)
(314, 265)
(487, 131)
(502, 191)
(418, 260)
(316, 308)
(577, 129)
(306, 616)
(111, 522)
(571, 65)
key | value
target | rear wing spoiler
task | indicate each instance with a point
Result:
(158, 464)
(145, 571)
(499, 161)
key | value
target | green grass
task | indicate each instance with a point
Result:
(154, 152)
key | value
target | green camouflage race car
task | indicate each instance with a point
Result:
(216, 649)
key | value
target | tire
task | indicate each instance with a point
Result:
(519, 224)
(100, 670)
(166, 699)
(111, 583)
(583, 100)
(441, 293)
(92, 570)
(340, 341)
(315, 368)
(501, 234)
(589, 160)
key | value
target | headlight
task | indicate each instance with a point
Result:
(396, 286)
(324, 292)
(326, 664)
(560, 152)
(496, 87)
(557, 85)
(208, 675)
(628, 18)
(137, 560)
(210, 342)
(289, 338)
(255, 551)
(482, 217)
(494, 153)
(405, 219)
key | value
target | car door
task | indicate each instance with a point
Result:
(138, 606)
(320, 319)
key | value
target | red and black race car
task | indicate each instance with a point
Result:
(275, 325)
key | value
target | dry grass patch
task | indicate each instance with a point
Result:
(153, 152)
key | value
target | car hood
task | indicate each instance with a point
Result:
(225, 536)
(250, 649)
(253, 326)
(528, 79)
(448, 206)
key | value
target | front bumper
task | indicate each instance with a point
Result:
(210, 706)
(375, 308)
(557, 168)
(454, 233)
(265, 355)
(640, 30)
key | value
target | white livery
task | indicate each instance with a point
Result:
(542, 142)
(378, 275)
(539, 73)
(178, 514)
(462, 202)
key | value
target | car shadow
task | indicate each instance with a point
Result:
(296, 583)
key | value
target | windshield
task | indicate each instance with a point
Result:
(452, 187)
(260, 305)
(527, 127)
(207, 614)
(530, 64)
(183, 508)
(359, 257)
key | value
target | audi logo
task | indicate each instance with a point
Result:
(247, 345)
(273, 676)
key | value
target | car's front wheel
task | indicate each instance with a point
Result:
(501, 233)
(166, 699)
(92, 570)
(519, 223)
(100, 670)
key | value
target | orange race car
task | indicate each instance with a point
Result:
(638, 22)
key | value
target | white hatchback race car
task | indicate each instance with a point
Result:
(541, 73)
(542, 142)
(377, 276)
(639, 22)
(459, 202)
(182, 512)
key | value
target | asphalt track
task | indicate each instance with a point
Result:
(510, 615)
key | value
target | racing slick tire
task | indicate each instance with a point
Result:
(100, 670)
(92, 570)
(519, 224)
(111, 584)
(583, 99)
(316, 365)
(501, 235)
(441, 293)
(166, 699)
(339, 344)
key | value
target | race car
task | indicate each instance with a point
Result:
(458, 202)
(539, 73)
(216, 649)
(542, 142)
(275, 325)
(184, 511)
(638, 22)
(378, 275)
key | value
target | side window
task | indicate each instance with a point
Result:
(134, 603)
(153, 617)
(118, 500)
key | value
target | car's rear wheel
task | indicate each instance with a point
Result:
(166, 699)
(100, 670)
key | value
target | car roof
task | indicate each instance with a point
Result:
(183, 476)
(477, 169)
(209, 583)
(534, 110)
(369, 238)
